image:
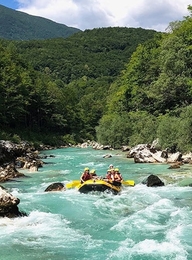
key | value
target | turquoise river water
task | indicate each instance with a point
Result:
(140, 223)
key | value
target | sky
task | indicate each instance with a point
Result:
(89, 14)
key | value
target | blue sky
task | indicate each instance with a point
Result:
(89, 14)
(9, 3)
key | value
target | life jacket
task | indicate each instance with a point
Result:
(109, 176)
(118, 177)
(86, 176)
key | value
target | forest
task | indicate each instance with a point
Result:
(118, 86)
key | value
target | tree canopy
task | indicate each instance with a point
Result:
(115, 85)
(156, 87)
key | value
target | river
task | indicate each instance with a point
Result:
(140, 223)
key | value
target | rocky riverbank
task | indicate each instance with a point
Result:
(146, 153)
(12, 158)
(24, 155)
(16, 156)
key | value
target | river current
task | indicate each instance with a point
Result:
(140, 223)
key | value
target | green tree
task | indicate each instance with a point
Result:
(184, 130)
(171, 90)
(144, 127)
(167, 132)
(130, 92)
(114, 129)
(15, 85)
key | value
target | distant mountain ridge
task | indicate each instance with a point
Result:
(16, 25)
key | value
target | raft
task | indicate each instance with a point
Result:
(98, 185)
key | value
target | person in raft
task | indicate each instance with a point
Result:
(110, 175)
(93, 174)
(85, 175)
(114, 176)
(117, 177)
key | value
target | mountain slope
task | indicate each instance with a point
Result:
(91, 53)
(16, 25)
(61, 86)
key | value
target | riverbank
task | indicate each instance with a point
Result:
(26, 156)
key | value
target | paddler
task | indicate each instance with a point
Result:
(85, 175)
(117, 177)
(93, 174)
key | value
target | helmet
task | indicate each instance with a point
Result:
(92, 171)
(108, 170)
(116, 170)
(111, 165)
(86, 169)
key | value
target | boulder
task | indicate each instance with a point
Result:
(175, 166)
(153, 181)
(12, 156)
(57, 186)
(107, 156)
(8, 205)
(144, 157)
(146, 153)
(125, 148)
(8, 172)
(10, 151)
(175, 157)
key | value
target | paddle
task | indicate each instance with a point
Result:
(128, 183)
(72, 184)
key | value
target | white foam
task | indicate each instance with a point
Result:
(45, 229)
(161, 249)
(149, 248)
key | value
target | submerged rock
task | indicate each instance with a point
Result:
(174, 166)
(186, 182)
(107, 156)
(58, 186)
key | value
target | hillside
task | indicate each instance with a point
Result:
(96, 53)
(16, 25)
(60, 86)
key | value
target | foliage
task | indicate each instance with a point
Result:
(167, 132)
(131, 91)
(114, 129)
(171, 90)
(93, 54)
(155, 89)
(144, 127)
(47, 97)
(123, 86)
(127, 128)
(184, 129)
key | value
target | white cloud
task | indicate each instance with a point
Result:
(88, 14)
